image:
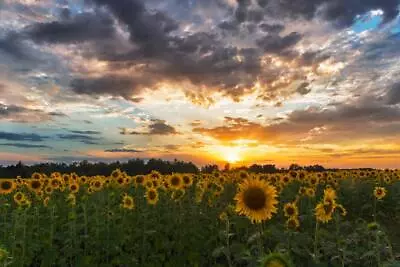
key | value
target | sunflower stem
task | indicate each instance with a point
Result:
(316, 254)
(228, 256)
(377, 239)
(341, 256)
(260, 245)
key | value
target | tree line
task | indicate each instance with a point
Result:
(137, 166)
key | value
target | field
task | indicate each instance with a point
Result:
(232, 218)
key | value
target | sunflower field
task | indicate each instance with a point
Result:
(232, 218)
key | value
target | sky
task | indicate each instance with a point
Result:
(210, 81)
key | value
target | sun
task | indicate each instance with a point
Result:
(231, 154)
(232, 157)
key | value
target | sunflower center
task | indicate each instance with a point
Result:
(36, 184)
(6, 185)
(254, 198)
(139, 179)
(175, 181)
(290, 211)
(152, 195)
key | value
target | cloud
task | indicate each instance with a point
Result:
(22, 137)
(274, 43)
(157, 127)
(113, 85)
(393, 95)
(340, 13)
(116, 150)
(80, 28)
(90, 132)
(22, 114)
(20, 145)
(79, 137)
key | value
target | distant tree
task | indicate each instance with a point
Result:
(209, 168)
(227, 167)
(295, 167)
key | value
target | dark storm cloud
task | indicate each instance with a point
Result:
(274, 43)
(149, 30)
(19, 145)
(160, 51)
(117, 150)
(393, 96)
(112, 85)
(271, 28)
(22, 137)
(157, 127)
(12, 44)
(80, 28)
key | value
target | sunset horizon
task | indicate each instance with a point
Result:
(245, 82)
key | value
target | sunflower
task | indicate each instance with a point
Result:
(18, 197)
(276, 260)
(290, 210)
(379, 192)
(155, 175)
(46, 201)
(151, 196)
(303, 190)
(66, 178)
(35, 185)
(285, 180)
(175, 181)
(292, 223)
(48, 190)
(178, 194)
(324, 211)
(341, 209)
(97, 185)
(74, 176)
(148, 184)
(139, 180)
(74, 187)
(313, 181)
(156, 183)
(82, 179)
(120, 181)
(55, 183)
(329, 194)
(256, 199)
(223, 216)
(187, 180)
(55, 175)
(243, 175)
(36, 175)
(116, 174)
(127, 202)
(26, 202)
(310, 192)
(71, 199)
(7, 186)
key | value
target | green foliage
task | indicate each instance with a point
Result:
(98, 231)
